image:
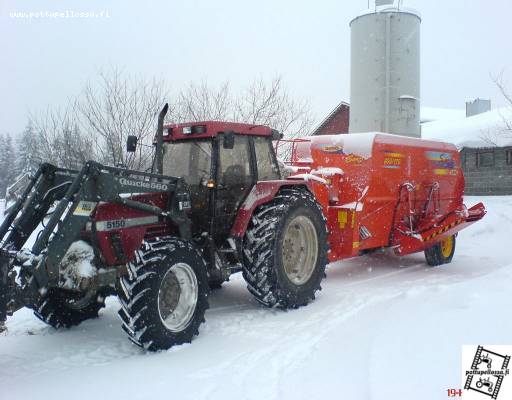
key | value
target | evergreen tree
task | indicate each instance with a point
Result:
(10, 156)
(3, 164)
(7, 163)
(28, 151)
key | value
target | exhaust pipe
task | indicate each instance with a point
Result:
(160, 140)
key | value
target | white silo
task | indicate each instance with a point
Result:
(385, 72)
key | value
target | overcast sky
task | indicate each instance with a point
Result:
(45, 61)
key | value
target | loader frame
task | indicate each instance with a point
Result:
(76, 193)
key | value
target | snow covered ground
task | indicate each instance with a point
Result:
(381, 328)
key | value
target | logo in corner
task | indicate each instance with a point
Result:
(486, 373)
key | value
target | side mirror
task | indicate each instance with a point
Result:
(131, 144)
(276, 135)
(229, 140)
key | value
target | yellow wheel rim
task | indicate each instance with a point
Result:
(447, 246)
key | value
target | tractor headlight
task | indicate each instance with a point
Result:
(194, 129)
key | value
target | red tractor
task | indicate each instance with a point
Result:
(216, 204)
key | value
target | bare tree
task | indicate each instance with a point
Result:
(271, 104)
(507, 120)
(116, 106)
(502, 132)
(202, 102)
(96, 123)
(59, 138)
(261, 103)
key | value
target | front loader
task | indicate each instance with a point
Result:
(217, 202)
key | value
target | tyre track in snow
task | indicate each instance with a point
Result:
(344, 298)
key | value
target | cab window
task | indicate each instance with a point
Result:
(234, 164)
(267, 168)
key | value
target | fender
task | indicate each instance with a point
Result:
(265, 191)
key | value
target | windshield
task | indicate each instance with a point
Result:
(189, 160)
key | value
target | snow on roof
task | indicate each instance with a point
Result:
(429, 114)
(481, 130)
(359, 144)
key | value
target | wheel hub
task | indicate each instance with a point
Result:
(447, 246)
(177, 297)
(300, 250)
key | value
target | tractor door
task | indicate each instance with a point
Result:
(235, 178)
(191, 160)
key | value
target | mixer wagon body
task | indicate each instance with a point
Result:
(384, 191)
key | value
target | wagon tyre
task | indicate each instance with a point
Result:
(442, 252)
(285, 249)
(61, 308)
(165, 294)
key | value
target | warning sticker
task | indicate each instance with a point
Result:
(84, 208)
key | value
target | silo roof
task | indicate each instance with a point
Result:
(410, 11)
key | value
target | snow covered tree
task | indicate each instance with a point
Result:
(59, 139)
(507, 119)
(7, 163)
(96, 123)
(28, 150)
(271, 104)
(115, 106)
(260, 103)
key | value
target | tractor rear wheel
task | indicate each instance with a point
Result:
(64, 308)
(285, 249)
(165, 296)
(442, 252)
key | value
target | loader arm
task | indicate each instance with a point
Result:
(76, 194)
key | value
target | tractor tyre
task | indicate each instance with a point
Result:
(63, 309)
(285, 249)
(442, 252)
(165, 295)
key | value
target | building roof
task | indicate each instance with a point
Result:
(329, 117)
(488, 129)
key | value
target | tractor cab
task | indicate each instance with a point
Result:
(220, 162)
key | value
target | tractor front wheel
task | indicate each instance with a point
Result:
(63, 308)
(442, 252)
(165, 296)
(285, 249)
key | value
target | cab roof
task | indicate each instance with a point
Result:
(210, 129)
